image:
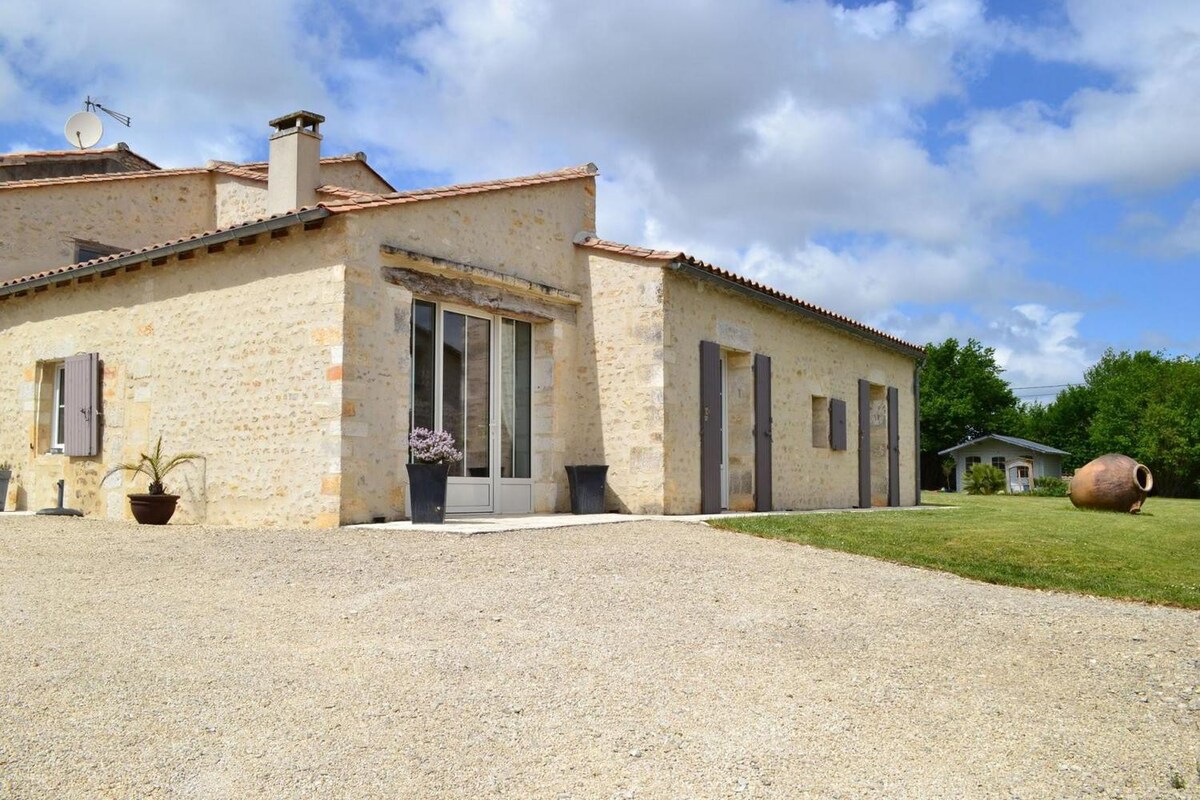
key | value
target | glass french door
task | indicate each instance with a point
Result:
(471, 376)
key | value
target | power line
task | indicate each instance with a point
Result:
(1048, 386)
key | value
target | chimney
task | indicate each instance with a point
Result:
(294, 164)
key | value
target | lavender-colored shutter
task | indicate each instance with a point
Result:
(81, 402)
(864, 444)
(893, 406)
(710, 428)
(837, 424)
(762, 433)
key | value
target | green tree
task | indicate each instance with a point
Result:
(962, 397)
(1065, 423)
(1147, 406)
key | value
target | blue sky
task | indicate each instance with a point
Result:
(1025, 172)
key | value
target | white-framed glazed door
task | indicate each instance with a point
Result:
(471, 376)
(466, 377)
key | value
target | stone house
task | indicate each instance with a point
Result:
(1022, 461)
(292, 320)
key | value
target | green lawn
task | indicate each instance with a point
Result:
(1039, 542)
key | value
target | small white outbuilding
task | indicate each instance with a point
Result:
(1020, 459)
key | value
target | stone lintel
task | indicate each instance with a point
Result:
(466, 291)
(444, 266)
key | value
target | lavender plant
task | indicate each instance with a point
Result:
(433, 447)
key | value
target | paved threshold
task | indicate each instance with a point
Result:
(474, 524)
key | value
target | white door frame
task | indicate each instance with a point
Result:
(493, 494)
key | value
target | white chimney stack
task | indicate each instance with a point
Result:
(294, 164)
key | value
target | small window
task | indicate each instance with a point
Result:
(820, 421)
(971, 461)
(998, 463)
(68, 409)
(1023, 473)
(58, 410)
(86, 251)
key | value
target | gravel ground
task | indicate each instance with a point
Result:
(645, 659)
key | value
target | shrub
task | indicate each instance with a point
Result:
(1049, 486)
(984, 479)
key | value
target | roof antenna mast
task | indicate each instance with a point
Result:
(93, 105)
(84, 129)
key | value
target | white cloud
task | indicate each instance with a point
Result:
(796, 153)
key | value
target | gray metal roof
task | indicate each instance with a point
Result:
(1014, 441)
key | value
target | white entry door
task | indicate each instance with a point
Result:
(471, 376)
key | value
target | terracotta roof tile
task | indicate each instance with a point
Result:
(342, 159)
(458, 190)
(683, 258)
(67, 269)
(108, 176)
(358, 202)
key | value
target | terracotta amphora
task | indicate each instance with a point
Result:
(1112, 482)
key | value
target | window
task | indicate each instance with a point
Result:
(86, 251)
(1023, 473)
(820, 421)
(58, 408)
(971, 461)
(998, 463)
(68, 409)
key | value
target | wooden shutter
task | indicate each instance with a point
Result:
(837, 424)
(893, 411)
(864, 444)
(762, 432)
(710, 428)
(81, 405)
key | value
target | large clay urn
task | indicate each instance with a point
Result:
(1111, 483)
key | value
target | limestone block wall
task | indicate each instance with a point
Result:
(523, 232)
(353, 175)
(234, 354)
(808, 360)
(237, 200)
(526, 232)
(39, 226)
(619, 380)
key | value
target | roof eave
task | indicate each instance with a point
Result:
(914, 353)
(302, 216)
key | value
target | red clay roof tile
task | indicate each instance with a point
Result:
(683, 258)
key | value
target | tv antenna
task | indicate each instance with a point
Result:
(84, 128)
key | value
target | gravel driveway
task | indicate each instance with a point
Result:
(646, 659)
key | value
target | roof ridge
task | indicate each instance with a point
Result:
(588, 240)
(107, 176)
(460, 189)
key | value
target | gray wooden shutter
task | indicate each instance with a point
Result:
(893, 404)
(837, 424)
(864, 444)
(81, 405)
(762, 432)
(710, 428)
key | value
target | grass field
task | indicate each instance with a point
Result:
(1038, 542)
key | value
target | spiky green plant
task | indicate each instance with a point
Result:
(154, 466)
(983, 479)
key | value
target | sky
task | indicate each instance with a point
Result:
(1023, 172)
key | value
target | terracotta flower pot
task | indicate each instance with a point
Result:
(1112, 482)
(153, 509)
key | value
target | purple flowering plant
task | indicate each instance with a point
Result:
(433, 447)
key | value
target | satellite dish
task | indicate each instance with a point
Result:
(83, 129)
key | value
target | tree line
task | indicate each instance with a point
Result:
(1143, 404)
